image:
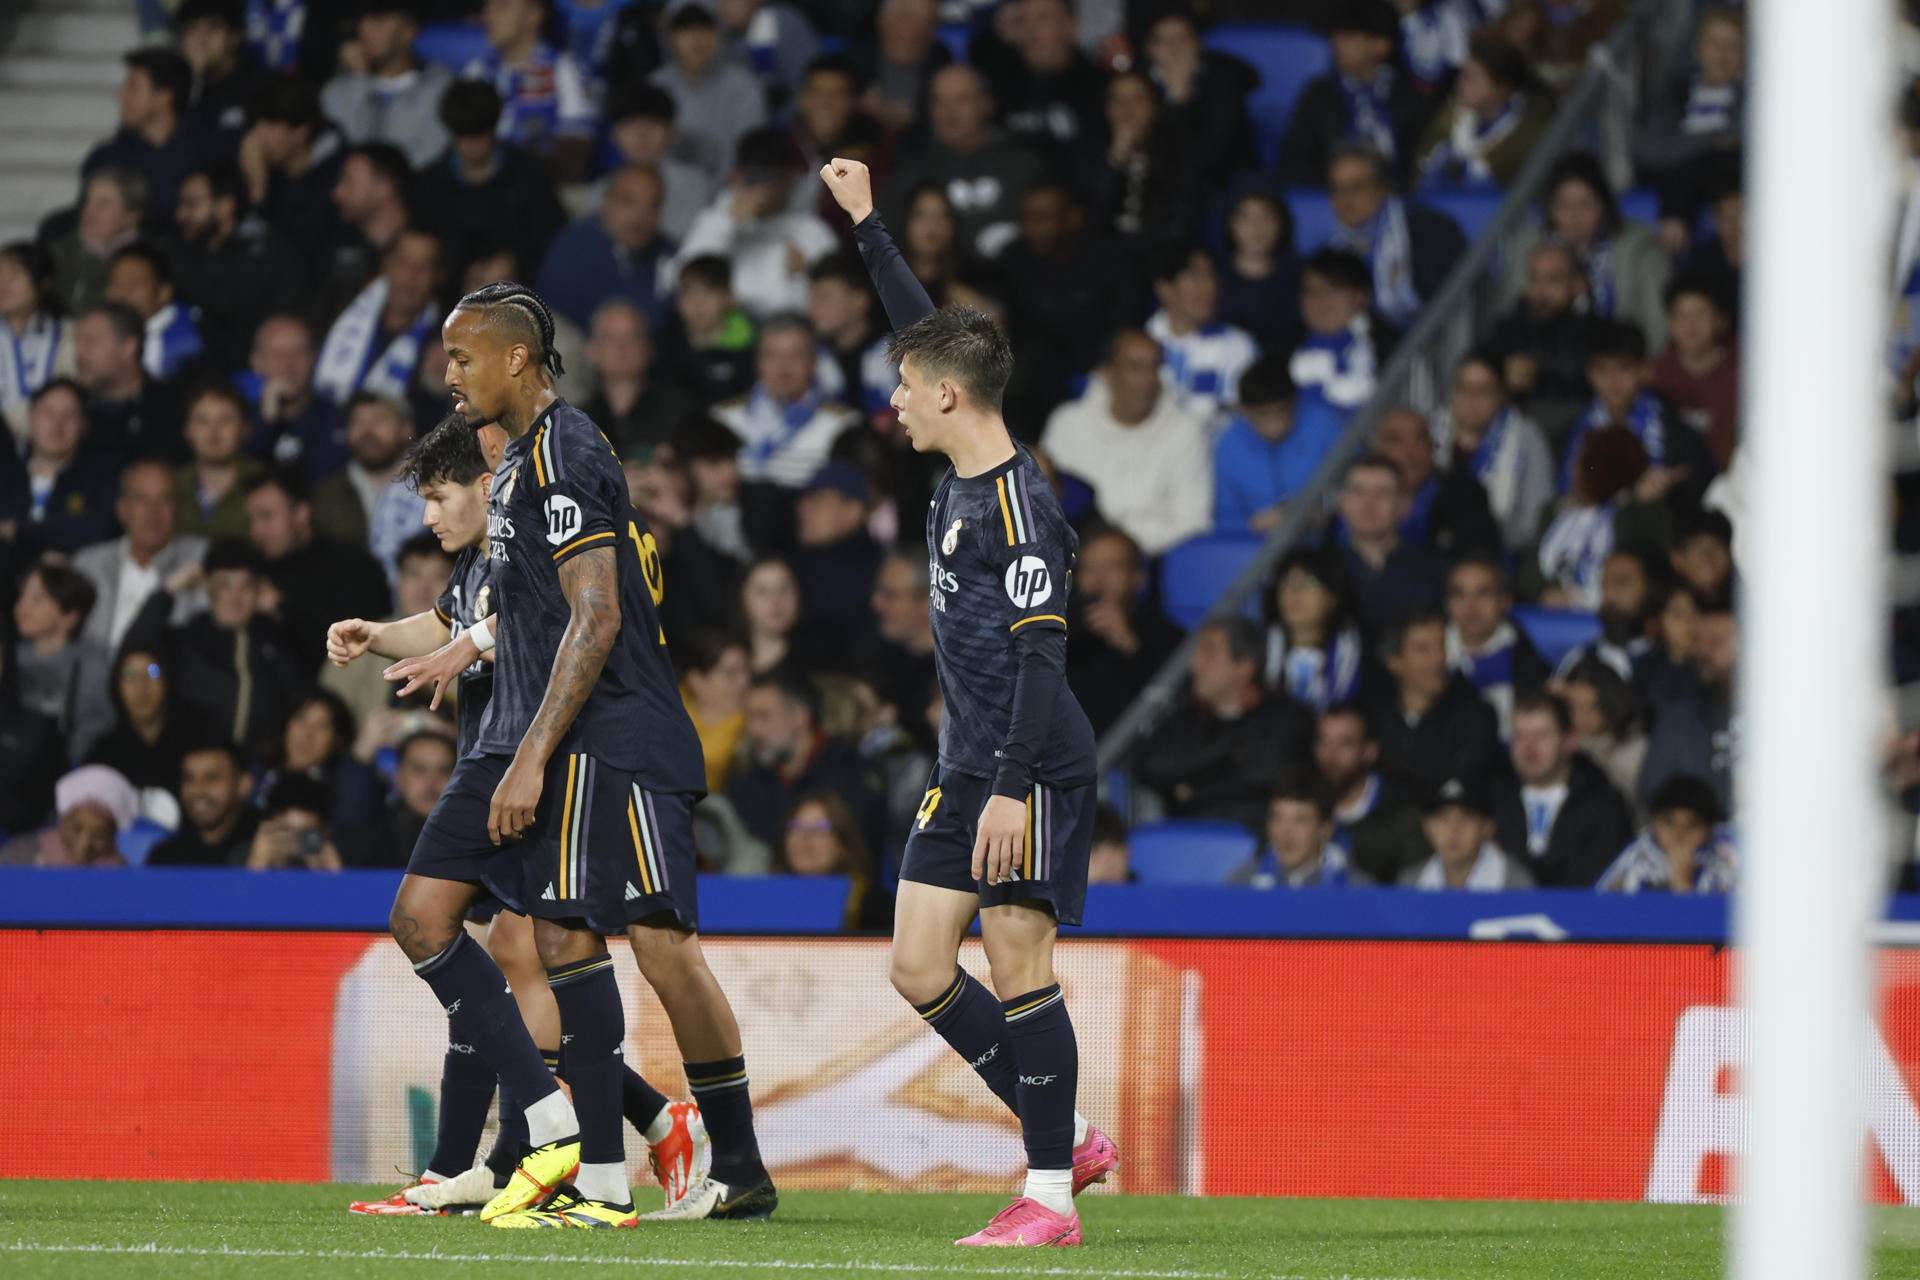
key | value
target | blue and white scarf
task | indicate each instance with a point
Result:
(1387, 244)
(1574, 551)
(274, 28)
(1331, 871)
(1434, 37)
(1367, 116)
(27, 360)
(1461, 158)
(1338, 367)
(348, 361)
(1488, 874)
(774, 425)
(1317, 678)
(1489, 669)
(1643, 865)
(1603, 290)
(1711, 108)
(173, 338)
(1644, 418)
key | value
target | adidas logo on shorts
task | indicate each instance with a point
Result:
(632, 892)
(548, 895)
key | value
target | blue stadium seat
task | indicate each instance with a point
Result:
(1313, 221)
(1641, 205)
(1193, 574)
(1556, 632)
(451, 44)
(1471, 207)
(137, 841)
(1188, 852)
(1286, 58)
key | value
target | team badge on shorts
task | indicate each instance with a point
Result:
(952, 540)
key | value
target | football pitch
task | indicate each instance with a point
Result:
(86, 1229)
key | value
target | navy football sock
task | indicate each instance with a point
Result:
(1048, 1062)
(594, 1024)
(466, 1091)
(968, 1017)
(510, 1144)
(480, 1012)
(640, 1101)
(726, 1105)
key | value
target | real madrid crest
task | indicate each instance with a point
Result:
(482, 600)
(952, 540)
(506, 488)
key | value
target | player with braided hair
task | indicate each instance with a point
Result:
(575, 805)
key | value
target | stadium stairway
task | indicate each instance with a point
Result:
(59, 73)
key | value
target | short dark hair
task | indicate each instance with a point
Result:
(1686, 793)
(167, 70)
(286, 479)
(1169, 260)
(525, 316)
(705, 438)
(149, 253)
(835, 64)
(792, 686)
(1704, 524)
(1374, 462)
(469, 108)
(38, 264)
(1490, 360)
(1341, 268)
(1482, 559)
(288, 100)
(60, 383)
(129, 184)
(962, 344)
(703, 647)
(1498, 57)
(203, 744)
(1394, 635)
(1541, 702)
(296, 791)
(1324, 566)
(420, 546)
(1697, 284)
(1617, 340)
(223, 179)
(644, 100)
(451, 451)
(688, 16)
(414, 739)
(215, 389)
(1613, 695)
(228, 13)
(1268, 381)
(72, 591)
(843, 267)
(1108, 826)
(1584, 168)
(1366, 152)
(126, 322)
(1350, 711)
(768, 148)
(1098, 532)
(709, 271)
(387, 161)
(231, 553)
(1303, 786)
(1242, 637)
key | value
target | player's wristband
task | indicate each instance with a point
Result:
(482, 635)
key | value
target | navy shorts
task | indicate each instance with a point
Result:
(1053, 867)
(601, 849)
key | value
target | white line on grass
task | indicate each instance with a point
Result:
(738, 1264)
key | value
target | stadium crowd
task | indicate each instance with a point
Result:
(218, 355)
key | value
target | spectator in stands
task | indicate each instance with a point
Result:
(375, 344)
(1483, 644)
(237, 676)
(546, 108)
(293, 425)
(1627, 605)
(1722, 255)
(1263, 458)
(1459, 827)
(49, 656)
(231, 265)
(1335, 364)
(840, 306)
(1567, 570)
(211, 490)
(787, 755)
(768, 245)
(1694, 122)
(220, 823)
(384, 92)
(1117, 638)
(67, 500)
(291, 159)
(423, 762)
(1625, 267)
(1220, 754)
(897, 61)
(618, 252)
(293, 835)
(315, 741)
(1606, 721)
(772, 39)
(36, 345)
(1204, 96)
(931, 239)
(835, 558)
(1298, 851)
(1314, 651)
(1259, 272)
(1362, 98)
(1559, 811)
(1543, 341)
(371, 197)
(1490, 122)
(822, 838)
(1430, 723)
(769, 612)
(365, 504)
(630, 402)
(310, 581)
(1698, 732)
(641, 124)
(226, 74)
(1481, 435)
(1110, 861)
(32, 755)
(1702, 553)
(147, 733)
(1202, 358)
(154, 140)
(709, 340)
(1409, 248)
(717, 99)
(1389, 576)
(1064, 290)
(967, 154)
(1665, 670)
(484, 193)
(140, 278)
(94, 805)
(1141, 449)
(1447, 509)
(1049, 94)
(1142, 182)
(785, 424)
(713, 685)
(112, 203)
(1699, 371)
(1683, 849)
(828, 122)
(149, 557)
(1375, 820)
(1618, 373)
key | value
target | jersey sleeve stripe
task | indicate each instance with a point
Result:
(1006, 513)
(582, 541)
(1017, 500)
(1038, 617)
(539, 467)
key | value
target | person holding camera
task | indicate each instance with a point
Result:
(293, 836)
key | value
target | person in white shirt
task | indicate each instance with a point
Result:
(1138, 446)
(786, 427)
(769, 245)
(1204, 358)
(1459, 827)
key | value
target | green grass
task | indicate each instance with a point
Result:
(77, 1229)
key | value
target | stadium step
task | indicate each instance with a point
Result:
(71, 30)
(61, 71)
(25, 198)
(93, 112)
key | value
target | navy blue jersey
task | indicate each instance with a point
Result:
(466, 600)
(1000, 554)
(560, 492)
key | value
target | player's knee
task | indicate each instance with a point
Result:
(917, 981)
(667, 956)
(559, 943)
(420, 933)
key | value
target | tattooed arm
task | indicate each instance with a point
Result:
(592, 590)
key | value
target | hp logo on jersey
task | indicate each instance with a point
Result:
(1028, 582)
(563, 518)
